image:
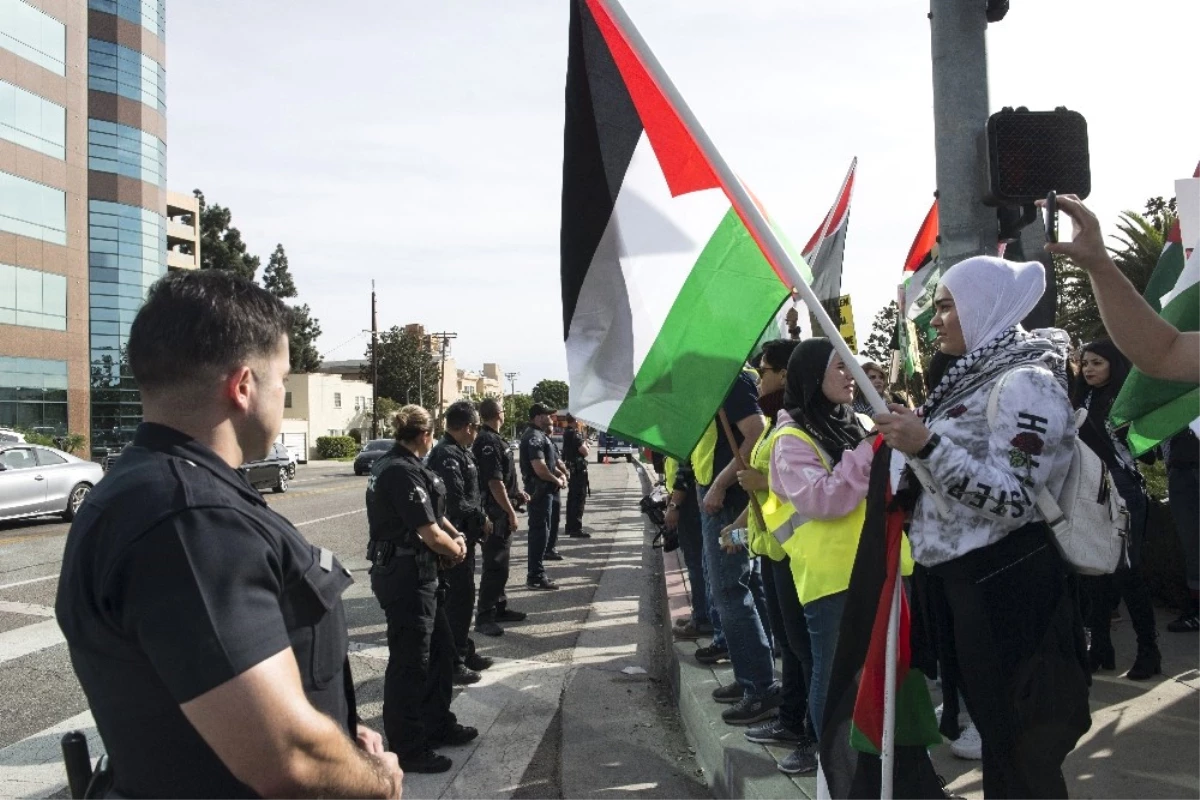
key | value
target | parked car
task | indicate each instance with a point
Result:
(370, 453)
(272, 472)
(37, 480)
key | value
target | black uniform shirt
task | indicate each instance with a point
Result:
(403, 495)
(572, 441)
(537, 446)
(495, 463)
(177, 577)
(456, 466)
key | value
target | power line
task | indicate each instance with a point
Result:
(358, 335)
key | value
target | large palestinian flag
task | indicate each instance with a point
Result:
(852, 732)
(665, 288)
(1156, 409)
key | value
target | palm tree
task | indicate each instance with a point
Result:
(1140, 238)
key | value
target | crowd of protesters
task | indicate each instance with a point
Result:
(1017, 633)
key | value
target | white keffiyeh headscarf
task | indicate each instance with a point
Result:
(992, 295)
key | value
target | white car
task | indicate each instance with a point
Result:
(37, 480)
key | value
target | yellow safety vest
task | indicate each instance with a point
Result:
(761, 541)
(671, 469)
(822, 551)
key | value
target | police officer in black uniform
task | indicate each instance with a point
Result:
(498, 482)
(575, 454)
(542, 473)
(454, 461)
(208, 635)
(410, 539)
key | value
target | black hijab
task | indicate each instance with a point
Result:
(1095, 432)
(833, 425)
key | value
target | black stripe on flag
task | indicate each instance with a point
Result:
(601, 131)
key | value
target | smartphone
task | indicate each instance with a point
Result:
(1052, 216)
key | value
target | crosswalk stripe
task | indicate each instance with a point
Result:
(33, 767)
(29, 639)
(29, 609)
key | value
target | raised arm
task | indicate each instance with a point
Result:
(1154, 345)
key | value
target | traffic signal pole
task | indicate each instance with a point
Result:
(960, 113)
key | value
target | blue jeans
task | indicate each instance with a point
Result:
(541, 510)
(731, 580)
(824, 618)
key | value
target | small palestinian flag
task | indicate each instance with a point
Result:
(853, 728)
(916, 292)
(1154, 409)
(665, 288)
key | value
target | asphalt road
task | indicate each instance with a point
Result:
(560, 717)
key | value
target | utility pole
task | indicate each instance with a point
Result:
(512, 392)
(445, 337)
(374, 365)
(960, 113)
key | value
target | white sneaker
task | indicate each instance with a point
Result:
(968, 745)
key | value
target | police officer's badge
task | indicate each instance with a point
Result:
(488, 450)
(418, 495)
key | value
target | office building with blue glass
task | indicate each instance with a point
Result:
(85, 221)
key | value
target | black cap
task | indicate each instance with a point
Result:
(537, 409)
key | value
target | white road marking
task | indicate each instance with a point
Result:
(33, 767)
(31, 580)
(29, 639)
(326, 519)
(29, 609)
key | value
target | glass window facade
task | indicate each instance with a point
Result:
(33, 393)
(33, 35)
(127, 151)
(150, 14)
(32, 121)
(33, 298)
(118, 70)
(33, 210)
(127, 252)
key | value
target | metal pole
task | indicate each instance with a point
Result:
(374, 365)
(966, 226)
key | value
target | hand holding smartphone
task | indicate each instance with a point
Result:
(1052, 216)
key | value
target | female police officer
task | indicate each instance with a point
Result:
(409, 533)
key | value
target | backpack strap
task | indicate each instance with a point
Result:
(1046, 503)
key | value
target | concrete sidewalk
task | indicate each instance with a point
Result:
(1144, 741)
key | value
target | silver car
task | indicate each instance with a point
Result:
(37, 480)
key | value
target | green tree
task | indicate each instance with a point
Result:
(1140, 240)
(516, 412)
(305, 330)
(408, 372)
(221, 246)
(277, 278)
(551, 393)
(879, 344)
(386, 408)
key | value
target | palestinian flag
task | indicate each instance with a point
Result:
(916, 293)
(853, 727)
(665, 288)
(1154, 409)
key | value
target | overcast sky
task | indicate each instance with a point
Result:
(419, 144)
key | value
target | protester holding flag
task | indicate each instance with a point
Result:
(820, 469)
(1017, 632)
(783, 603)
(1154, 345)
(1104, 370)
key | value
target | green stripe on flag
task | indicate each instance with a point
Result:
(728, 298)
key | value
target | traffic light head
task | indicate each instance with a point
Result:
(1031, 153)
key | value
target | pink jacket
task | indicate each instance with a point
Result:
(798, 475)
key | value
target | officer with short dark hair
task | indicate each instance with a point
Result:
(542, 473)
(498, 481)
(453, 460)
(575, 453)
(406, 512)
(208, 635)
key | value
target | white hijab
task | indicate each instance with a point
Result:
(992, 295)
